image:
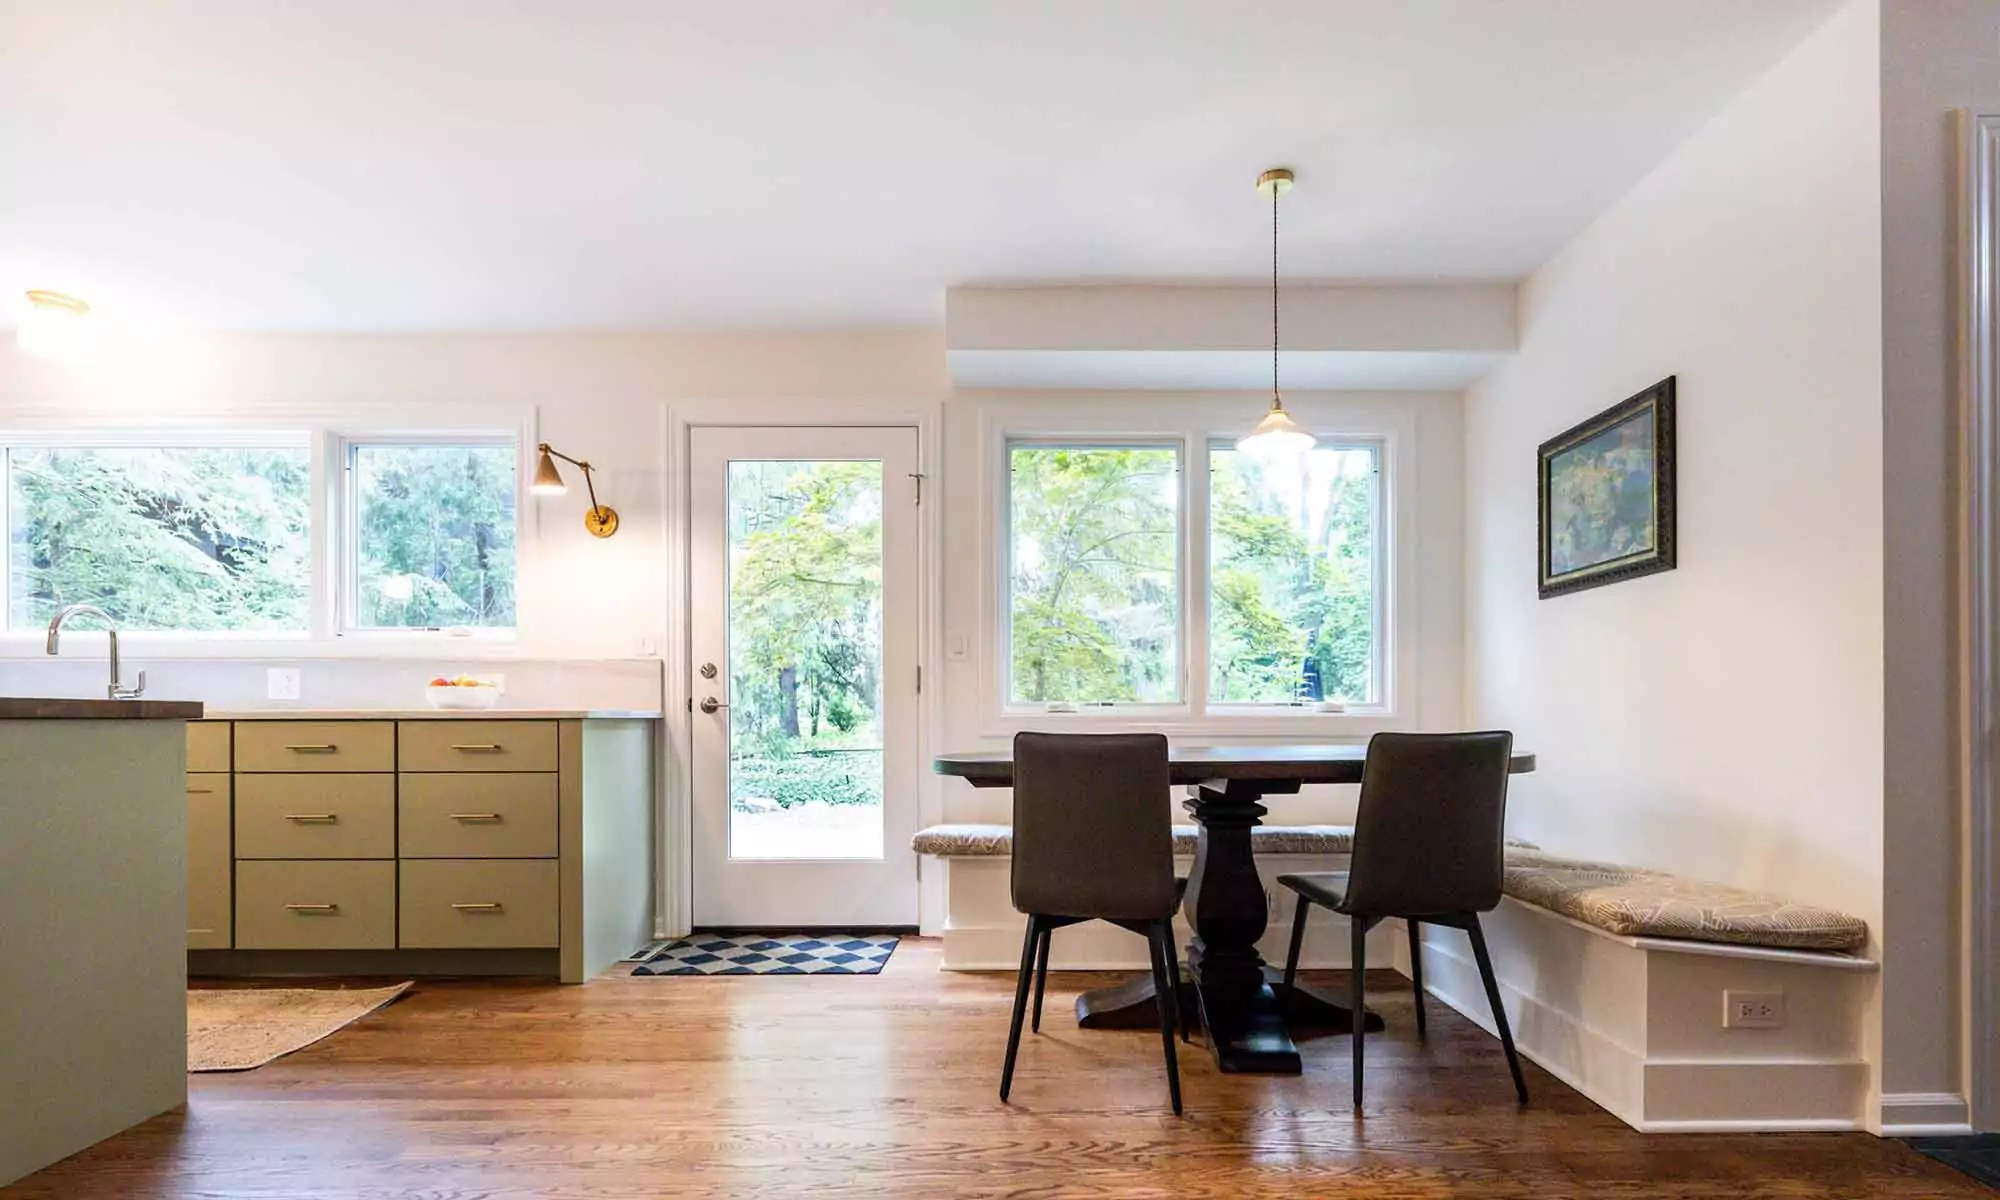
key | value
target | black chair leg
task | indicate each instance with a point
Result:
(1020, 1004)
(1174, 977)
(1158, 938)
(1417, 969)
(1357, 995)
(1041, 975)
(1492, 983)
(1298, 942)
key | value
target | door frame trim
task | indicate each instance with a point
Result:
(675, 852)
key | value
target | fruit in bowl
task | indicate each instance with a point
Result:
(461, 691)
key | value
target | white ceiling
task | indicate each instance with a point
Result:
(494, 164)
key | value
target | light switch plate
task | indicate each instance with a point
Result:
(284, 683)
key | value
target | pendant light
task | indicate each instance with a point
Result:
(55, 326)
(1277, 434)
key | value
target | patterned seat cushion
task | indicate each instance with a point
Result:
(997, 841)
(1637, 902)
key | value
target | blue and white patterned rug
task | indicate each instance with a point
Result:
(771, 954)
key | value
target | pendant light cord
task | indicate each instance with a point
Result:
(1275, 402)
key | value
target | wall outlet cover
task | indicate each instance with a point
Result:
(1753, 1010)
(284, 683)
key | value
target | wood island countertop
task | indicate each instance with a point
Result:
(27, 708)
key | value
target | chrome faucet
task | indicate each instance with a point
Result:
(117, 690)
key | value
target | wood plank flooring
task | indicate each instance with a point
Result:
(884, 1086)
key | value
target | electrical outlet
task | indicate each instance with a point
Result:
(284, 683)
(1753, 1010)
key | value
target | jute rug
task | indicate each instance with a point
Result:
(236, 1029)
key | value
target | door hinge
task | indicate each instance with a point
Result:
(919, 477)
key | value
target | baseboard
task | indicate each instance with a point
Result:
(1925, 1114)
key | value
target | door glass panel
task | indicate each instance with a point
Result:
(805, 659)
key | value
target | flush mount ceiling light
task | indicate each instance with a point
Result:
(55, 326)
(601, 519)
(1277, 433)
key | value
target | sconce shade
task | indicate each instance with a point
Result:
(548, 480)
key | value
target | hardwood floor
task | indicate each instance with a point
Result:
(885, 1086)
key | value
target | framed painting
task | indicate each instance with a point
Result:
(1607, 495)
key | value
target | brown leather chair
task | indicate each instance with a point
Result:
(1428, 847)
(1094, 841)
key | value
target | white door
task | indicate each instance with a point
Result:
(803, 639)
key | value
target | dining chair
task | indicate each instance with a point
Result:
(1094, 841)
(1429, 848)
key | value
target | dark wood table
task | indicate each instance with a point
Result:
(1229, 985)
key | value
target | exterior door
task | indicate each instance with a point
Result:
(803, 639)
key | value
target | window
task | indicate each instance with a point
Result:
(1094, 582)
(1291, 586)
(1268, 598)
(432, 535)
(191, 538)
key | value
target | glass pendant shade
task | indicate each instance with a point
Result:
(1277, 434)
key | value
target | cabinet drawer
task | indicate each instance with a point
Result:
(315, 746)
(453, 745)
(483, 815)
(484, 903)
(315, 816)
(208, 746)
(208, 862)
(322, 905)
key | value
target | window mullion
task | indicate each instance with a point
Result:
(1194, 576)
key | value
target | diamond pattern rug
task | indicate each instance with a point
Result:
(772, 954)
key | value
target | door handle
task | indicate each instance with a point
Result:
(710, 704)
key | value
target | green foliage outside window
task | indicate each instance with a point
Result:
(161, 538)
(435, 543)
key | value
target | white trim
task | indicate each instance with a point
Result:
(1979, 143)
(1924, 1114)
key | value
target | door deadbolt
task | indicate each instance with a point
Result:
(708, 670)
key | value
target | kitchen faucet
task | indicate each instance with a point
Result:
(117, 690)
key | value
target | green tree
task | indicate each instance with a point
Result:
(437, 535)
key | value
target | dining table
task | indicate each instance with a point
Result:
(1227, 986)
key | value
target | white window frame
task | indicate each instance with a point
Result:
(343, 506)
(325, 440)
(1194, 424)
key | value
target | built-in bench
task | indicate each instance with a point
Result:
(1616, 980)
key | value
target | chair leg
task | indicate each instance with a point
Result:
(1357, 996)
(1298, 942)
(1492, 983)
(1417, 969)
(1020, 1004)
(1158, 938)
(1174, 977)
(1041, 975)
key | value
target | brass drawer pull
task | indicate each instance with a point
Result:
(474, 816)
(201, 791)
(313, 908)
(489, 906)
(313, 818)
(486, 748)
(320, 748)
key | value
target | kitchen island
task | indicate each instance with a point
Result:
(93, 882)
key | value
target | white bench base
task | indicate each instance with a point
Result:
(1635, 1024)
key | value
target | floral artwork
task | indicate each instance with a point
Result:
(1607, 495)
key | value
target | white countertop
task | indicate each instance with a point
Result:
(446, 714)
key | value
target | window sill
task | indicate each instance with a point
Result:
(1212, 728)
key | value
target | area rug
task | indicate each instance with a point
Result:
(237, 1029)
(1977, 1155)
(772, 954)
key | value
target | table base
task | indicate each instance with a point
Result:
(1248, 1033)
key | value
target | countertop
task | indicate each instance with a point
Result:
(27, 708)
(441, 714)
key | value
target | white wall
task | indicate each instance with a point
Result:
(1725, 719)
(1936, 55)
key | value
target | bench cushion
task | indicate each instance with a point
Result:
(997, 841)
(1637, 902)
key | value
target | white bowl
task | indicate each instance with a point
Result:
(462, 697)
